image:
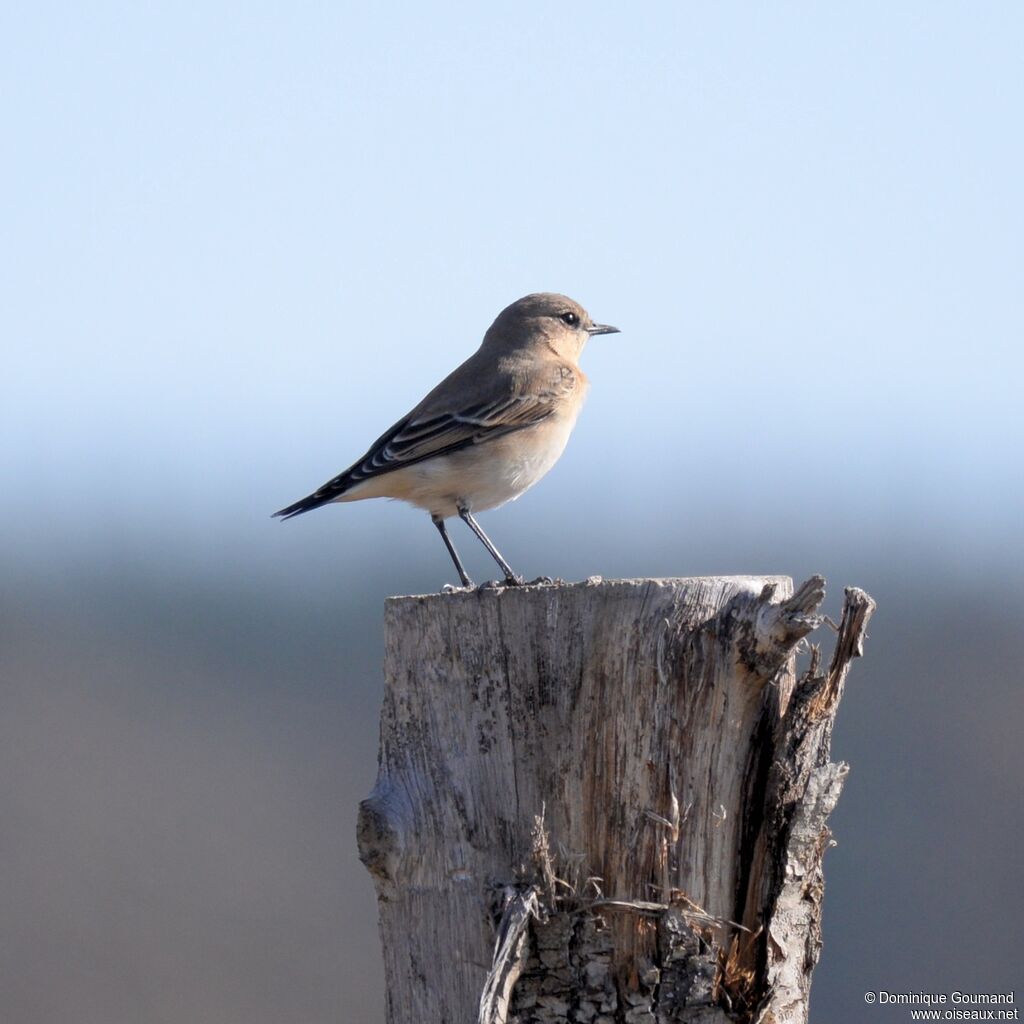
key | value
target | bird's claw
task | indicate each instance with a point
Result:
(508, 581)
(450, 588)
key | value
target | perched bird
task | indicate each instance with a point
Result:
(490, 430)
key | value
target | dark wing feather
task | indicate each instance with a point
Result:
(426, 436)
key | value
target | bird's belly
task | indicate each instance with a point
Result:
(515, 466)
(483, 477)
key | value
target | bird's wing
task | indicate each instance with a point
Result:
(428, 432)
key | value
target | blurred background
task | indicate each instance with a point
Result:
(240, 240)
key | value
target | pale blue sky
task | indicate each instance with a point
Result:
(239, 241)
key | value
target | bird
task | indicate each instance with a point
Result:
(488, 432)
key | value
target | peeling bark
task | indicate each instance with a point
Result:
(605, 802)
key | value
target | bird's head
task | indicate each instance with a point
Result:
(545, 318)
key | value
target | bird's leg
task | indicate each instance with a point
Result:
(443, 530)
(510, 577)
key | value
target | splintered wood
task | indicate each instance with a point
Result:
(605, 802)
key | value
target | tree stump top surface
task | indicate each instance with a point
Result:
(754, 583)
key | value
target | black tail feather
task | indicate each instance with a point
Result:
(306, 504)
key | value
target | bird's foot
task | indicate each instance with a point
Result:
(508, 581)
(465, 588)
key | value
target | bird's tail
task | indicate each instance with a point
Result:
(306, 504)
(330, 491)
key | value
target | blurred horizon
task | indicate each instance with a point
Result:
(241, 241)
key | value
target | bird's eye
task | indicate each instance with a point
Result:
(571, 319)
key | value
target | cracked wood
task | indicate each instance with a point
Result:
(657, 729)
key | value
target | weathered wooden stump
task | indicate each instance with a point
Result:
(605, 801)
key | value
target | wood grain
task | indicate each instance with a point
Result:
(590, 774)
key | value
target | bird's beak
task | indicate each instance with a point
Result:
(601, 329)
